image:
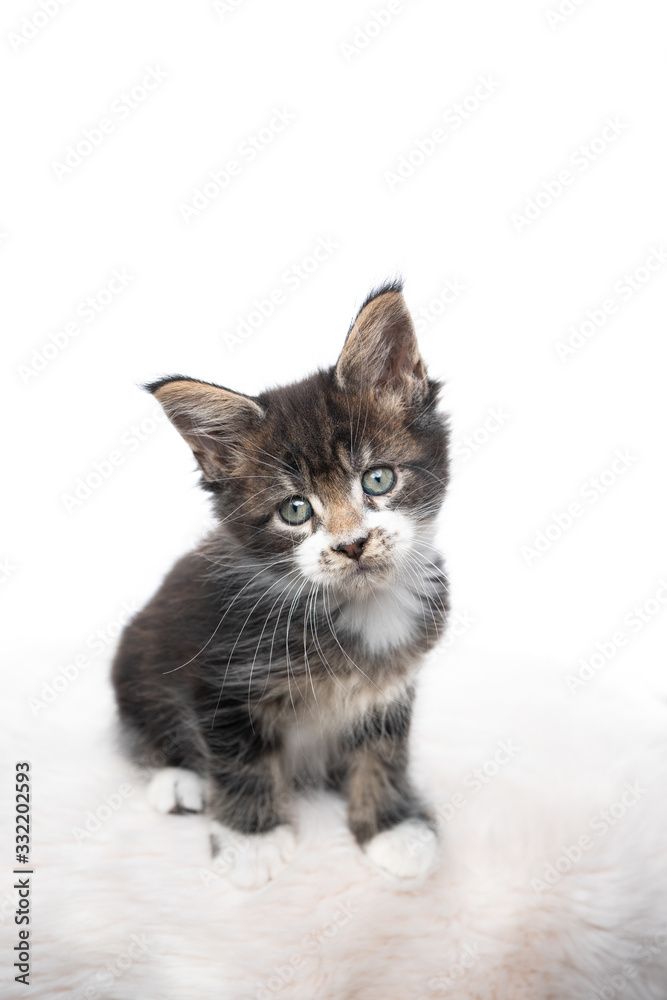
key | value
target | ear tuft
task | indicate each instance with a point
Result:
(211, 418)
(381, 350)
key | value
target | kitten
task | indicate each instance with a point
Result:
(282, 652)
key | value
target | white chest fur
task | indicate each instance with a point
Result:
(383, 620)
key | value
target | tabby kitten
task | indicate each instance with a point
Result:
(281, 653)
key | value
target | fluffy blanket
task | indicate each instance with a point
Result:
(552, 883)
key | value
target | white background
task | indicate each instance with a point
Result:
(355, 113)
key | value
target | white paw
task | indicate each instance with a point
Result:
(252, 861)
(409, 850)
(175, 790)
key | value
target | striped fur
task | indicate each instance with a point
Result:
(270, 658)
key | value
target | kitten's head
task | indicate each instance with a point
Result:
(339, 475)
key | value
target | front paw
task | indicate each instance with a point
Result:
(407, 851)
(252, 861)
(176, 790)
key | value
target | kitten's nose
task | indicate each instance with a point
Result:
(353, 549)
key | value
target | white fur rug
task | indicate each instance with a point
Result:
(552, 883)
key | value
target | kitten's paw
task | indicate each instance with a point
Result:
(409, 850)
(175, 790)
(253, 860)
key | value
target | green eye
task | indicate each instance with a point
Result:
(296, 510)
(378, 481)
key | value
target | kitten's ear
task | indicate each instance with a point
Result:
(381, 347)
(212, 419)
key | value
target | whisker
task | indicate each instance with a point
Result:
(344, 652)
(261, 636)
(327, 666)
(275, 630)
(236, 642)
(215, 630)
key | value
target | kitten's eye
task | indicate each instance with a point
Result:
(378, 481)
(296, 510)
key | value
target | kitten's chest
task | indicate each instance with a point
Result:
(383, 622)
(362, 661)
(314, 730)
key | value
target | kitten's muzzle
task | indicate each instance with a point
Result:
(352, 549)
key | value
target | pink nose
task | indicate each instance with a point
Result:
(353, 549)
